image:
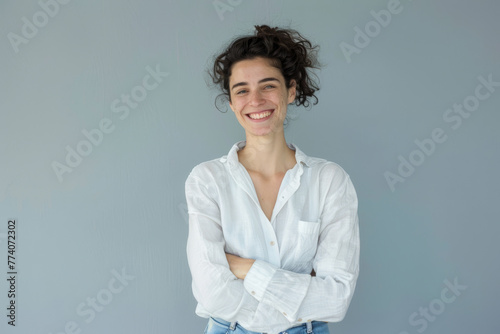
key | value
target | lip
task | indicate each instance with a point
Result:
(258, 112)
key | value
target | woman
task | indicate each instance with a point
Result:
(273, 243)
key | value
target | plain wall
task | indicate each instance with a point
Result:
(121, 209)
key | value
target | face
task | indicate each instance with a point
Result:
(259, 96)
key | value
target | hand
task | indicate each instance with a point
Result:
(239, 266)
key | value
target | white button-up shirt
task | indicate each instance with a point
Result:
(314, 224)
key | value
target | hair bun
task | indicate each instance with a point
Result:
(265, 30)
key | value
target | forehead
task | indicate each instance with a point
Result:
(254, 69)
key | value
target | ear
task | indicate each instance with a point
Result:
(292, 91)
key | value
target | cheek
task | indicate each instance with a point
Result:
(234, 105)
(236, 108)
(283, 101)
(238, 104)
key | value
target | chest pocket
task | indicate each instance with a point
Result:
(307, 243)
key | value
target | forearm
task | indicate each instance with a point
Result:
(297, 296)
(240, 266)
(301, 296)
(214, 286)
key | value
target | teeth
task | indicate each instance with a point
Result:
(259, 116)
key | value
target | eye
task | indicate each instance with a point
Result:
(269, 86)
(241, 92)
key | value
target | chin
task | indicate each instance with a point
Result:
(261, 132)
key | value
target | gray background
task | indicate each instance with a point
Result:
(123, 206)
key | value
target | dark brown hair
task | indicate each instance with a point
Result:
(287, 50)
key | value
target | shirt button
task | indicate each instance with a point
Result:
(299, 320)
(284, 313)
(253, 292)
(309, 320)
(272, 243)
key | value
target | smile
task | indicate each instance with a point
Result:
(260, 115)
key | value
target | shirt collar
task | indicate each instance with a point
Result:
(232, 157)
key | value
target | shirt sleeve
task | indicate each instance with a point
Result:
(325, 297)
(214, 286)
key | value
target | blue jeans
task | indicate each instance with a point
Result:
(219, 326)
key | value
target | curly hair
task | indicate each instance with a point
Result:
(286, 49)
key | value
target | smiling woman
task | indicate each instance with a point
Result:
(273, 239)
(259, 96)
(287, 50)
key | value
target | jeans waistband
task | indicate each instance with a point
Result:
(308, 325)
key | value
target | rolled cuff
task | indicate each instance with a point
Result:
(258, 278)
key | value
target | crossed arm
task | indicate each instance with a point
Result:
(231, 287)
(240, 266)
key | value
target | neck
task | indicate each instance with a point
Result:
(267, 155)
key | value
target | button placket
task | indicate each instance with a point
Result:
(272, 244)
(285, 193)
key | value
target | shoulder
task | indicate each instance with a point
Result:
(333, 171)
(216, 169)
(325, 170)
(330, 178)
(318, 167)
(208, 171)
(334, 183)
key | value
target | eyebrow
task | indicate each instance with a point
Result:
(260, 81)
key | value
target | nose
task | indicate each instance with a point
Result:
(256, 98)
